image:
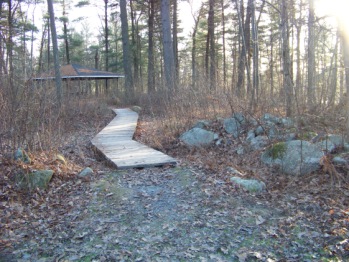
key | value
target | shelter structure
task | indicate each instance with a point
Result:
(82, 76)
(78, 72)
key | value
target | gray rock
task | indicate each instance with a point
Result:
(259, 130)
(232, 126)
(219, 142)
(270, 118)
(294, 157)
(202, 124)
(287, 122)
(259, 142)
(253, 121)
(240, 150)
(21, 155)
(326, 145)
(36, 179)
(337, 140)
(198, 137)
(289, 136)
(239, 117)
(250, 135)
(86, 172)
(339, 161)
(273, 132)
(250, 185)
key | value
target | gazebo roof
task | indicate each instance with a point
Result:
(78, 72)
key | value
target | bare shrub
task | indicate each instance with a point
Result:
(30, 118)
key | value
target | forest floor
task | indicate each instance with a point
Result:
(191, 212)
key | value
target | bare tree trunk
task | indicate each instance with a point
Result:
(169, 66)
(134, 47)
(175, 39)
(212, 45)
(193, 48)
(151, 71)
(65, 34)
(311, 58)
(106, 40)
(288, 85)
(129, 86)
(255, 87)
(58, 79)
(223, 46)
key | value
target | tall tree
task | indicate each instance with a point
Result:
(175, 38)
(151, 72)
(126, 51)
(64, 19)
(286, 60)
(212, 44)
(169, 66)
(311, 58)
(58, 79)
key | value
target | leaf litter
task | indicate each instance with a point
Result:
(192, 212)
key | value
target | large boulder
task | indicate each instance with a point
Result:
(331, 142)
(294, 157)
(198, 137)
(232, 126)
(36, 179)
(250, 185)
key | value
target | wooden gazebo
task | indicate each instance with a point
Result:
(77, 72)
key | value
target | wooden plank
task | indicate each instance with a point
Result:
(115, 142)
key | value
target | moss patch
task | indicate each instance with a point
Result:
(277, 150)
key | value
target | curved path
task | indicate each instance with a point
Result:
(116, 144)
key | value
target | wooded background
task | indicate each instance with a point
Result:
(277, 53)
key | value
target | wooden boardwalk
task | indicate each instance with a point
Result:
(116, 144)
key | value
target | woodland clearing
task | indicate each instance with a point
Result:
(192, 212)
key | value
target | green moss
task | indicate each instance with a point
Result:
(307, 135)
(277, 150)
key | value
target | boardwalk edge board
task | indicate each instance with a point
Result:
(115, 143)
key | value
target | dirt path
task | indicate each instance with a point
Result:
(174, 214)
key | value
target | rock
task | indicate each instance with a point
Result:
(250, 135)
(239, 117)
(86, 172)
(326, 146)
(36, 179)
(289, 136)
(287, 122)
(337, 140)
(270, 118)
(198, 137)
(259, 142)
(259, 130)
(202, 124)
(294, 157)
(21, 155)
(240, 150)
(61, 159)
(137, 109)
(273, 132)
(219, 142)
(232, 126)
(339, 161)
(331, 142)
(250, 185)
